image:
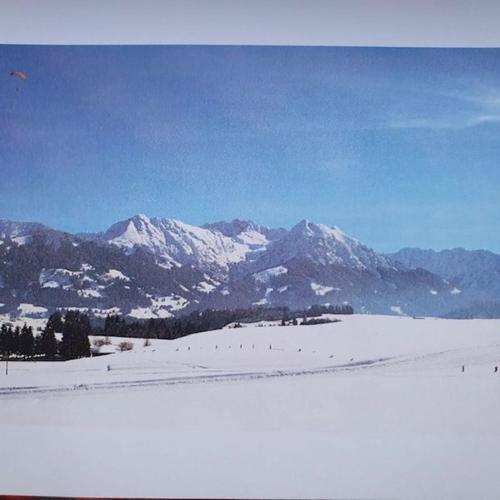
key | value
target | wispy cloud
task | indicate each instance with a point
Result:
(470, 109)
(456, 122)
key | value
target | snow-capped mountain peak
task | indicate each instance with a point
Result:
(136, 231)
(310, 229)
(221, 245)
(330, 245)
(176, 243)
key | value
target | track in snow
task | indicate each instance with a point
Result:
(189, 379)
(395, 361)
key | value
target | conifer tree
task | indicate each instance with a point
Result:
(48, 341)
(55, 322)
(10, 344)
(26, 342)
(75, 342)
(15, 340)
(4, 341)
(38, 345)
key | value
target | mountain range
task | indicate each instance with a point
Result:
(158, 267)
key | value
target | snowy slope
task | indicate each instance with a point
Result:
(390, 415)
(355, 342)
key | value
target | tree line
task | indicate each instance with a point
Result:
(75, 327)
(21, 342)
(196, 322)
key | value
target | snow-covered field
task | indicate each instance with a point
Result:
(373, 406)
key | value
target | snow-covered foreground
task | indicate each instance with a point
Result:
(373, 407)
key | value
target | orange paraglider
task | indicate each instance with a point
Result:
(19, 74)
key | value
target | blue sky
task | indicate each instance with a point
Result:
(398, 147)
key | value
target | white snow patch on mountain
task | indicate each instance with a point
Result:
(173, 302)
(102, 313)
(266, 275)
(161, 307)
(58, 278)
(264, 299)
(32, 311)
(21, 240)
(246, 232)
(142, 313)
(321, 289)
(252, 238)
(455, 291)
(51, 284)
(397, 310)
(115, 274)
(205, 287)
(89, 292)
(433, 292)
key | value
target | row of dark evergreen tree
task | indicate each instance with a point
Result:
(21, 342)
(195, 322)
(76, 327)
(18, 341)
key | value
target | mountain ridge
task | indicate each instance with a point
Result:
(159, 267)
(477, 270)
